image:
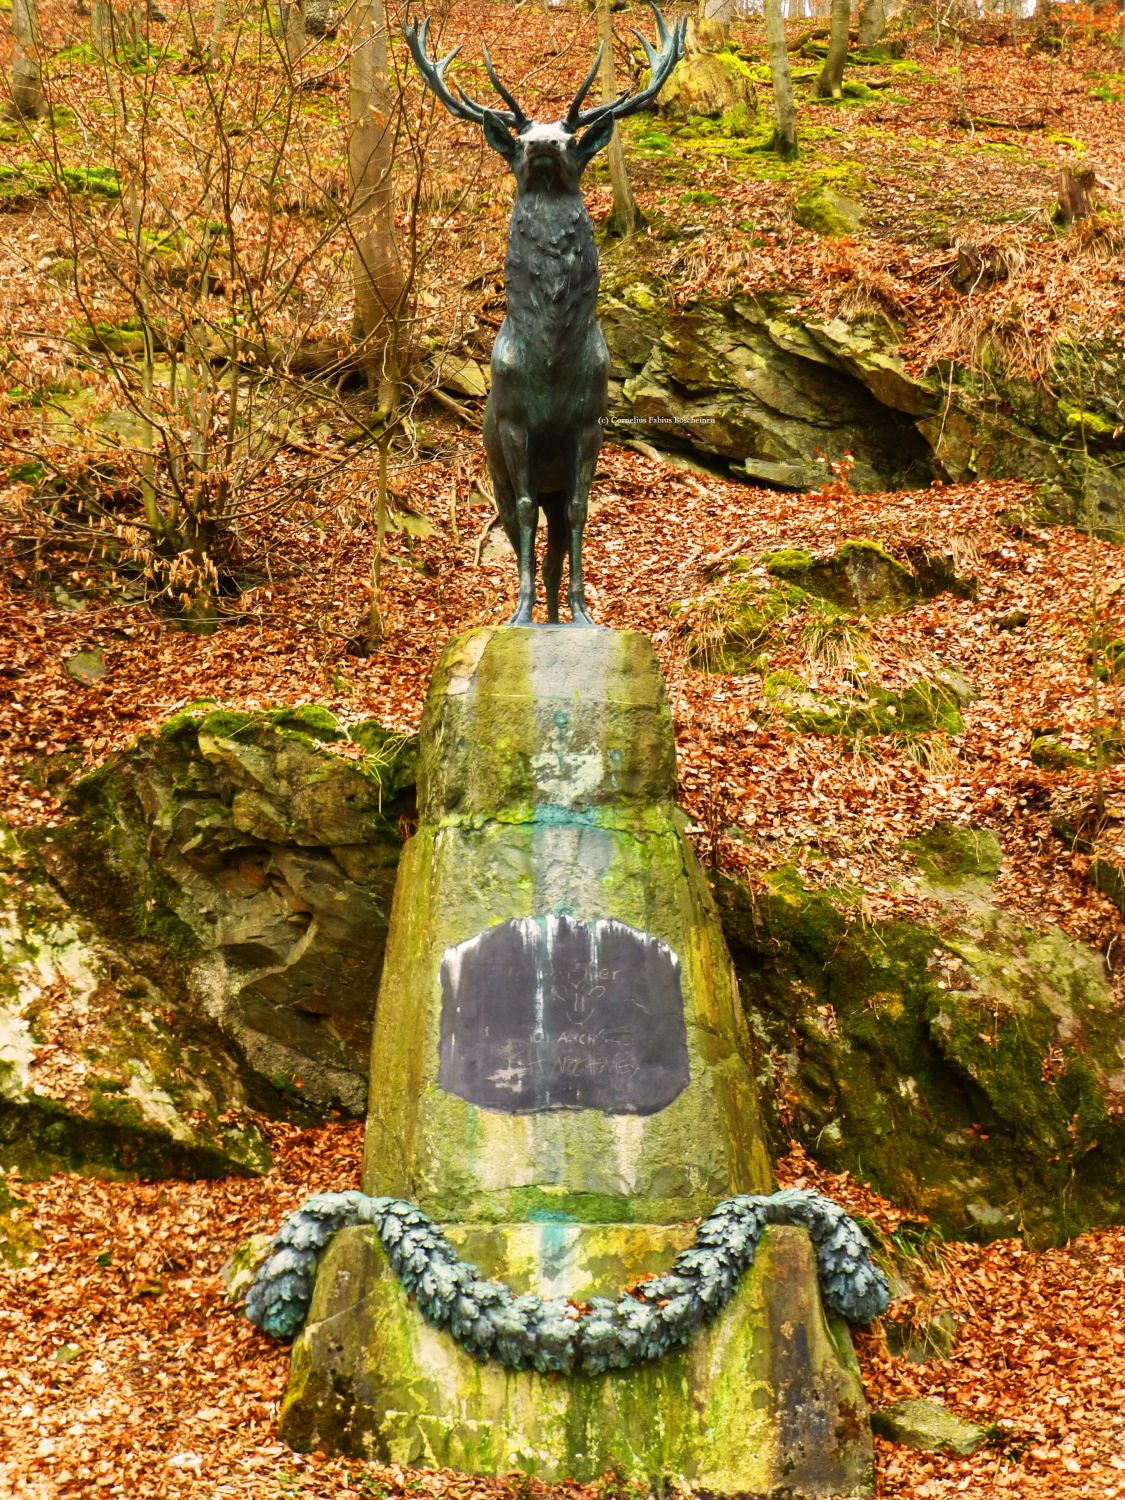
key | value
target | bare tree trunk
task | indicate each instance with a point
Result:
(830, 84)
(293, 22)
(376, 268)
(723, 11)
(218, 21)
(625, 217)
(379, 283)
(102, 30)
(785, 112)
(27, 84)
(872, 21)
(961, 116)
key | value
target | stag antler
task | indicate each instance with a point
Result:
(460, 103)
(671, 40)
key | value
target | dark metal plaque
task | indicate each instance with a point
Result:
(553, 1013)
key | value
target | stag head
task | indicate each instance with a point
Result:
(549, 156)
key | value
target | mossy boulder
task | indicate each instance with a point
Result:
(928, 1426)
(756, 383)
(860, 575)
(745, 381)
(863, 576)
(731, 629)
(919, 708)
(710, 85)
(96, 1074)
(969, 1067)
(828, 212)
(255, 854)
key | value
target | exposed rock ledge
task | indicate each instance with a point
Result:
(750, 382)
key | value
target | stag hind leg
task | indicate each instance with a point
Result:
(554, 508)
(578, 495)
(506, 446)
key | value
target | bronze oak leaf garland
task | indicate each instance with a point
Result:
(550, 1334)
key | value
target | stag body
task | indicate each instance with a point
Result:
(550, 365)
(550, 376)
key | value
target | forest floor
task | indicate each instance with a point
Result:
(122, 1372)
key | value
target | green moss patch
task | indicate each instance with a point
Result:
(24, 181)
(828, 212)
(731, 630)
(950, 855)
(966, 1067)
(919, 708)
(860, 575)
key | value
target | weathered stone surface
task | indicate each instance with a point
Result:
(970, 1068)
(95, 1075)
(766, 1396)
(238, 1271)
(828, 212)
(860, 575)
(86, 667)
(546, 776)
(715, 85)
(256, 854)
(547, 770)
(927, 1426)
(737, 381)
(750, 381)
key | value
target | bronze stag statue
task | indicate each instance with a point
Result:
(550, 365)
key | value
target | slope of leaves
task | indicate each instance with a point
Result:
(123, 1372)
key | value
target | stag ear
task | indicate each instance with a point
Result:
(497, 134)
(596, 139)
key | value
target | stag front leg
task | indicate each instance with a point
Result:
(513, 441)
(576, 505)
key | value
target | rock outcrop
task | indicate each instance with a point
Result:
(254, 855)
(774, 395)
(206, 932)
(97, 1072)
(969, 1067)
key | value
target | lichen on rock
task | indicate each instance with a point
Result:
(967, 1066)
(95, 1073)
(256, 853)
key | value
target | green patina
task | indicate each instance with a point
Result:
(426, 1401)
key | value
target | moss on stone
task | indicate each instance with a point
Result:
(950, 855)
(860, 575)
(921, 708)
(1051, 753)
(966, 1070)
(765, 1397)
(729, 630)
(827, 212)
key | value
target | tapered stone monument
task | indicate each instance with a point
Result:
(561, 1076)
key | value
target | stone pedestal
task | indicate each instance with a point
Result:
(560, 1075)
